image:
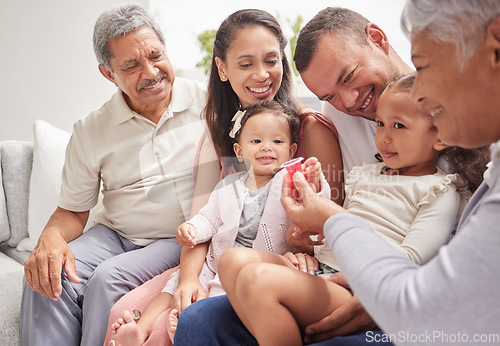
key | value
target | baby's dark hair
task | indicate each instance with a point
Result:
(403, 82)
(470, 164)
(277, 108)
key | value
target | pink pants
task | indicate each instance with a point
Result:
(139, 298)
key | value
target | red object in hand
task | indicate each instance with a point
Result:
(291, 167)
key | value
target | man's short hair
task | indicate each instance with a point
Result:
(120, 22)
(342, 21)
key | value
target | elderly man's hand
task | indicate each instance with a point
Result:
(44, 265)
(306, 210)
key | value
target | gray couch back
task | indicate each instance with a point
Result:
(16, 160)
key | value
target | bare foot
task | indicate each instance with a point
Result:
(173, 318)
(126, 332)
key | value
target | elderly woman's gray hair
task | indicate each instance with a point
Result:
(462, 22)
(120, 22)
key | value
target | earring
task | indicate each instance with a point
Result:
(223, 78)
(240, 159)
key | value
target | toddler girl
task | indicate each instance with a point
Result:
(244, 209)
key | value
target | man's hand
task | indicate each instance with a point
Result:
(349, 319)
(303, 262)
(44, 265)
(310, 211)
(187, 293)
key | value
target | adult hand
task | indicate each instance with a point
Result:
(312, 169)
(348, 319)
(44, 265)
(303, 262)
(301, 240)
(310, 211)
(188, 292)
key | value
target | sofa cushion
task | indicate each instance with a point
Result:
(45, 183)
(17, 159)
(18, 256)
(4, 220)
(11, 279)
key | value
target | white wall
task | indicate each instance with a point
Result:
(47, 63)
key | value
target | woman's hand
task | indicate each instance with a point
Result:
(312, 172)
(190, 289)
(303, 262)
(301, 241)
(309, 212)
(188, 292)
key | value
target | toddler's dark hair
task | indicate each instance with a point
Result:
(277, 108)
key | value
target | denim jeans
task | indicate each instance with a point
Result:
(212, 321)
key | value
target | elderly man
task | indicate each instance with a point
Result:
(347, 61)
(141, 147)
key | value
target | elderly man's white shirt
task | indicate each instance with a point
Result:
(145, 168)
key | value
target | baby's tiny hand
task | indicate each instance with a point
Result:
(185, 235)
(312, 169)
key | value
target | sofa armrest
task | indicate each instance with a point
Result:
(16, 163)
(4, 220)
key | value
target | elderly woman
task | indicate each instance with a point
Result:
(454, 297)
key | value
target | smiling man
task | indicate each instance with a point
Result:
(141, 147)
(347, 61)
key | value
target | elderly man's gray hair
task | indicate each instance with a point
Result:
(120, 22)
